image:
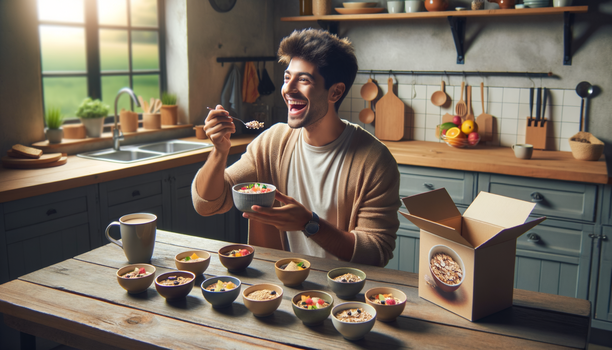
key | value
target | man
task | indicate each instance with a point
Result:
(338, 186)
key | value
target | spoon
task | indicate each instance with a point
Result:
(254, 124)
(439, 98)
(366, 115)
(584, 90)
(369, 90)
(461, 108)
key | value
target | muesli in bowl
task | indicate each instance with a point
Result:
(388, 302)
(346, 282)
(136, 278)
(446, 267)
(195, 261)
(292, 271)
(312, 306)
(221, 291)
(262, 299)
(353, 319)
(175, 284)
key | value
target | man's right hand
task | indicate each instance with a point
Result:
(219, 127)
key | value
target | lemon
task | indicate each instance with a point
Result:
(469, 126)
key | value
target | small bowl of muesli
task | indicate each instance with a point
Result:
(174, 284)
(292, 271)
(246, 195)
(446, 267)
(136, 278)
(195, 261)
(221, 291)
(388, 302)
(346, 282)
(262, 299)
(236, 256)
(353, 319)
(312, 306)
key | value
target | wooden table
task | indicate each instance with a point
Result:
(78, 303)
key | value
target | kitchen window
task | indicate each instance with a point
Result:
(93, 48)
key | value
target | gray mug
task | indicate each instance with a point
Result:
(137, 236)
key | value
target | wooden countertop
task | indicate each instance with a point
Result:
(77, 172)
(17, 184)
(93, 311)
(552, 165)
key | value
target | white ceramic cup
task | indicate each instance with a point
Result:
(413, 5)
(523, 151)
(562, 3)
(137, 236)
(395, 6)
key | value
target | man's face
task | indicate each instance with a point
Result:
(304, 93)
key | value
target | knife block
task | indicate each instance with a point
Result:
(536, 133)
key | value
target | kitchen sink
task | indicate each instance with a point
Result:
(131, 154)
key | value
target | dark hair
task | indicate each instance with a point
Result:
(334, 57)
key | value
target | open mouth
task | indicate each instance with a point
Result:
(296, 106)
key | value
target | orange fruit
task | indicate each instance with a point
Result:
(454, 133)
(469, 126)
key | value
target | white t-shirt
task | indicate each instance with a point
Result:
(314, 173)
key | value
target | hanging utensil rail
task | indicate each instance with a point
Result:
(246, 59)
(462, 73)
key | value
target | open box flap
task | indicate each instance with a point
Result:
(437, 229)
(499, 210)
(511, 233)
(436, 205)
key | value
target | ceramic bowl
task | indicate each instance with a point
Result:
(136, 285)
(312, 317)
(244, 201)
(353, 330)
(197, 267)
(386, 313)
(292, 278)
(359, 5)
(345, 290)
(178, 291)
(236, 262)
(224, 298)
(446, 250)
(262, 308)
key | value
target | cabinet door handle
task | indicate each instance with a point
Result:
(428, 186)
(536, 197)
(533, 237)
(51, 212)
(135, 193)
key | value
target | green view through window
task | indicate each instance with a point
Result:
(93, 48)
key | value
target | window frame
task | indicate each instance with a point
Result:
(93, 71)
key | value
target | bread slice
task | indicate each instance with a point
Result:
(27, 152)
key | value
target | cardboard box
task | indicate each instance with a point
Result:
(482, 242)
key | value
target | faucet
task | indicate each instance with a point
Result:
(118, 134)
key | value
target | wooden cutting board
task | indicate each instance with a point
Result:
(45, 158)
(15, 163)
(389, 122)
(484, 120)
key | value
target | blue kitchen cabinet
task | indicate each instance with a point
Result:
(40, 231)
(602, 316)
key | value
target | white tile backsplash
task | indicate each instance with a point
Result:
(510, 106)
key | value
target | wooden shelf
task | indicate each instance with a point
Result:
(440, 14)
(457, 21)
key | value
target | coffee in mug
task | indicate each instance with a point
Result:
(523, 151)
(137, 236)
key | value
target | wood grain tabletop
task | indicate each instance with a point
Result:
(78, 302)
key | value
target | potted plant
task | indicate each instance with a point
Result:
(169, 109)
(54, 120)
(92, 114)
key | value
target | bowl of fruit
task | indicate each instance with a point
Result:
(246, 195)
(459, 133)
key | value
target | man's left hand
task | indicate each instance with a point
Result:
(292, 216)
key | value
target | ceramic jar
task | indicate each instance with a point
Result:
(93, 126)
(169, 114)
(436, 5)
(54, 135)
(321, 7)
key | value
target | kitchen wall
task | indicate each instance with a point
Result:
(513, 44)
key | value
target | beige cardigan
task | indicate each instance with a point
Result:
(368, 194)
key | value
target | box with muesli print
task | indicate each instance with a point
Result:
(467, 261)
